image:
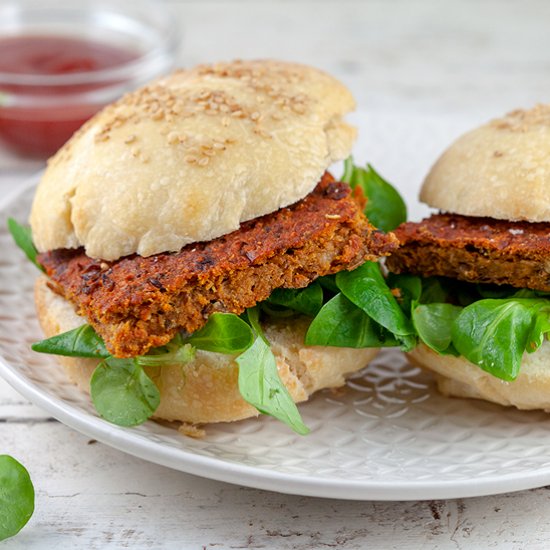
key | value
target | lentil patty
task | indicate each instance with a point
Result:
(136, 303)
(477, 250)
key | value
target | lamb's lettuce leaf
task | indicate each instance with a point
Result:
(307, 301)
(260, 383)
(433, 324)
(366, 288)
(385, 207)
(16, 497)
(79, 342)
(22, 235)
(490, 326)
(341, 323)
(223, 333)
(122, 392)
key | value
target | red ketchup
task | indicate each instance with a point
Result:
(38, 115)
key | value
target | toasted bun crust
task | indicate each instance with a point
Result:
(500, 170)
(206, 389)
(190, 157)
(457, 377)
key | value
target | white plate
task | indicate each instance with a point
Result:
(389, 436)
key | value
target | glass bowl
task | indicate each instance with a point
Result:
(41, 103)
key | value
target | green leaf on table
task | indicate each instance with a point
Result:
(123, 393)
(22, 235)
(385, 208)
(223, 333)
(16, 497)
(341, 323)
(79, 342)
(260, 383)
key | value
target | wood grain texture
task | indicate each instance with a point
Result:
(410, 57)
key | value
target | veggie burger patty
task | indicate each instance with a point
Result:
(476, 250)
(136, 302)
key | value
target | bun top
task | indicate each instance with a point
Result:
(500, 170)
(191, 156)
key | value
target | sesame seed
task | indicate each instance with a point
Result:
(104, 136)
(190, 159)
(203, 161)
(130, 139)
(332, 216)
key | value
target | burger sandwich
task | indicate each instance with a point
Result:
(478, 283)
(200, 263)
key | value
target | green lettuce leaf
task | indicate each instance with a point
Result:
(22, 235)
(341, 323)
(16, 497)
(434, 325)
(259, 381)
(367, 289)
(307, 301)
(223, 333)
(385, 207)
(79, 342)
(122, 392)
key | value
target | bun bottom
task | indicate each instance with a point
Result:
(457, 377)
(206, 390)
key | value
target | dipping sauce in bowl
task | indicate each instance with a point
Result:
(59, 64)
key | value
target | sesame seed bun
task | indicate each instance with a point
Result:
(500, 170)
(191, 156)
(206, 390)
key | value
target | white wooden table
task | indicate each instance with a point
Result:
(412, 57)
